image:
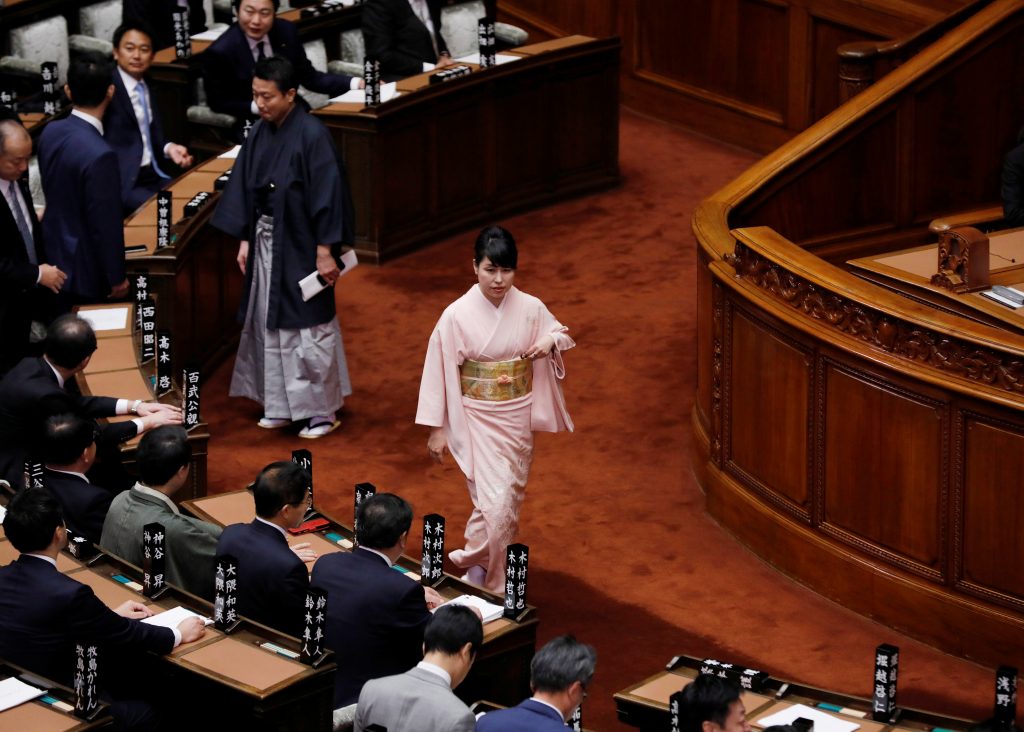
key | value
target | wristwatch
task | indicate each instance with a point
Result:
(135, 406)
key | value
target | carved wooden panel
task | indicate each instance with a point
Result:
(991, 521)
(704, 335)
(884, 479)
(767, 411)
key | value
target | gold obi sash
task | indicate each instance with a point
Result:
(496, 381)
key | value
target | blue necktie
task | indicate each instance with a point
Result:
(141, 89)
(21, 223)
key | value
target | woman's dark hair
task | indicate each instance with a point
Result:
(496, 244)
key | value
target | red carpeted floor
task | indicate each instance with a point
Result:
(622, 551)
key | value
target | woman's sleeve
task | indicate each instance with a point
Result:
(433, 400)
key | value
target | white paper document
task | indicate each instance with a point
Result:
(823, 721)
(312, 285)
(231, 154)
(105, 318)
(388, 91)
(172, 618)
(489, 610)
(212, 33)
(15, 691)
(499, 59)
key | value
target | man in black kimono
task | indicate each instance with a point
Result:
(288, 203)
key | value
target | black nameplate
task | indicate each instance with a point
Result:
(749, 679)
(304, 459)
(450, 73)
(9, 99)
(140, 284)
(432, 563)
(147, 347)
(87, 675)
(221, 183)
(190, 396)
(313, 648)
(488, 42)
(163, 362)
(81, 548)
(1006, 697)
(225, 593)
(51, 93)
(32, 476)
(182, 40)
(246, 127)
(883, 701)
(195, 203)
(154, 559)
(371, 77)
(363, 491)
(164, 209)
(675, 702)
(576, 720)
(516, 558)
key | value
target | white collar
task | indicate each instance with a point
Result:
(147, 491)
(44, 557)
(130, 82)
(433, 668)
(68, 472)
(60, 379)
(269, 523)
(97, 124)
(548, 704)
(382, 555)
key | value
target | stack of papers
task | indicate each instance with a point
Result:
(106, 318)
(172, 618)
(231, 154)
(474, 58)
(388, 91)
(15, 691)
(488, 610)
(212, 33)
(823, 721)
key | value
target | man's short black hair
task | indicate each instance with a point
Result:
(560, 663)
(162, 453)
(65, 437)
(280, 484)
(498, 245)
(450, 628)
(32, 517)
(69, 341)
(279, 70)
(383, 518)
(236, 3)
(90, 74)
(707, 699)
(132, 25)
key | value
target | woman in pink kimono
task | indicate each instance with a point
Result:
(490, 380)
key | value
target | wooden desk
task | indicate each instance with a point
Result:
(644, 705)
(41, 716)
(114, 370)
(502, 668)
(443, 158)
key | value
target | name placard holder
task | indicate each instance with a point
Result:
(190, 396)
(488, 42)
(87, 674)
(32, 476)
(1005, 713)
(576, 720)
(675, 703)
(749, 679)
(225, 594)
(9, 99)
(163, 362)
(313, 649)
(51, 95)
(517, 557)
(154, 560)
(432, 562)
(363, 491)
(883, 701)
(304, 459)
(371, 77)
(81, 548)
(164, 204)
(196, 203)
(182, 39)
(140, 284)
(147, 349)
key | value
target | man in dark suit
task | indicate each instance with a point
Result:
(272, 579)
(404, 35)
(35, 389)
(23, 269)
(132, 125)
(83, 231)
(228, 64)
(375, 615)
(559, 675)
(712, 704)
(69, 448)
(159, 15)
(44, 613)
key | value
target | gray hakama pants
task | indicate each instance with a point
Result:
(294, 373)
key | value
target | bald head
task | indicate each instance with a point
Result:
(15, 149)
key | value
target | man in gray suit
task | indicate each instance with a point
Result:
(421, 699)
(164, 456)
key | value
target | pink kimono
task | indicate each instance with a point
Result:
(492, 441)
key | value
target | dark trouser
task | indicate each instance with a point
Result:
(146, 185)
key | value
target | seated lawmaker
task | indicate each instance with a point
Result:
(163, 461)
(37, 388)
(229, 62)
(421, 699)
(559, 675)
(272, 578)
(44, 613)
(69, 447)
(131, 124)
(712, 704)
(405, 36)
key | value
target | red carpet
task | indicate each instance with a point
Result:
(622, 552)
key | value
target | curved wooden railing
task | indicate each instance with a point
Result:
(863, 442)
